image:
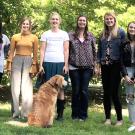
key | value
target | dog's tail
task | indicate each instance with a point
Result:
(17, 123)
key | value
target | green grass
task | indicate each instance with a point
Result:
(93, 126)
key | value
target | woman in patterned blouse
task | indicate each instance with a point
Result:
(82, 57)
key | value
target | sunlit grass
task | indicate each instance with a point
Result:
(5, 106)
(92, 126)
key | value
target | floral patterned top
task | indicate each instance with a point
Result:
(82, 54)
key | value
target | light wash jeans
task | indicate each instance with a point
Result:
(21, 83)
(130, 94)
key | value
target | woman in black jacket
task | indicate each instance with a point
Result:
(128, 70)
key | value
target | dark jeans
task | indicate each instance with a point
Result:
(111, 81)
(80, 80)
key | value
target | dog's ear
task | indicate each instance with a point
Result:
(59, 82)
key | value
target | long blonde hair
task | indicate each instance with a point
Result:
(114, 31)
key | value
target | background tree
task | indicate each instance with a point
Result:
(12, 11)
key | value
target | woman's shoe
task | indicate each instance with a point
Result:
(131, 128)
(75, 118)
(82, 120)
(16, 118)
(108, 122)
(23, 119)
(119, 123)
(59, 119)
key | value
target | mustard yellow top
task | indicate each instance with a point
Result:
(21, 44)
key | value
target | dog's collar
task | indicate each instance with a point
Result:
(50, 84)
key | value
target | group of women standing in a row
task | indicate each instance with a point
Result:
(75, 53)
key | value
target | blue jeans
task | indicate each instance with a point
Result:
(80, 80)
(130, 94)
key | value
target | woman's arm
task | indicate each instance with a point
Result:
(11, 54)
(66, 56)
(42, 52)
(94, 50)
(35, 50)
(98, 61)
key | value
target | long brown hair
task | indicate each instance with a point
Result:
(128, 34)
(114, 31)
(77, 28)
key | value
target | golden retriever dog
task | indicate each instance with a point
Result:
(43, 110)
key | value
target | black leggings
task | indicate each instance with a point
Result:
(1, 74)
(111, 81)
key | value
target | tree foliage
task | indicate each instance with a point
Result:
(12, 11)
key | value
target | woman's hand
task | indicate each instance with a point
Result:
(9, 73)
(65, 69)
(97, 70)
(41, 69)
(129, 80)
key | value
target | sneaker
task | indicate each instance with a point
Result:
(82, 120)
(16, 115)
(119, 123)
(107, 122)
(23, 119)
(16, 118)
(131, 128)
(75, 118)
(59, 119)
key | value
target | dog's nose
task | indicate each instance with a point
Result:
(65, 85)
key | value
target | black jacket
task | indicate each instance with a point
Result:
(126, 56)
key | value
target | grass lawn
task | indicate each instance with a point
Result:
(93, 126)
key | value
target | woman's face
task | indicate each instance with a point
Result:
(25, 26)
(131, 29)
(109, 20)
(82, 22)
(55, 21)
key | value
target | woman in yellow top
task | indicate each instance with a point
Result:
(24, 45)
